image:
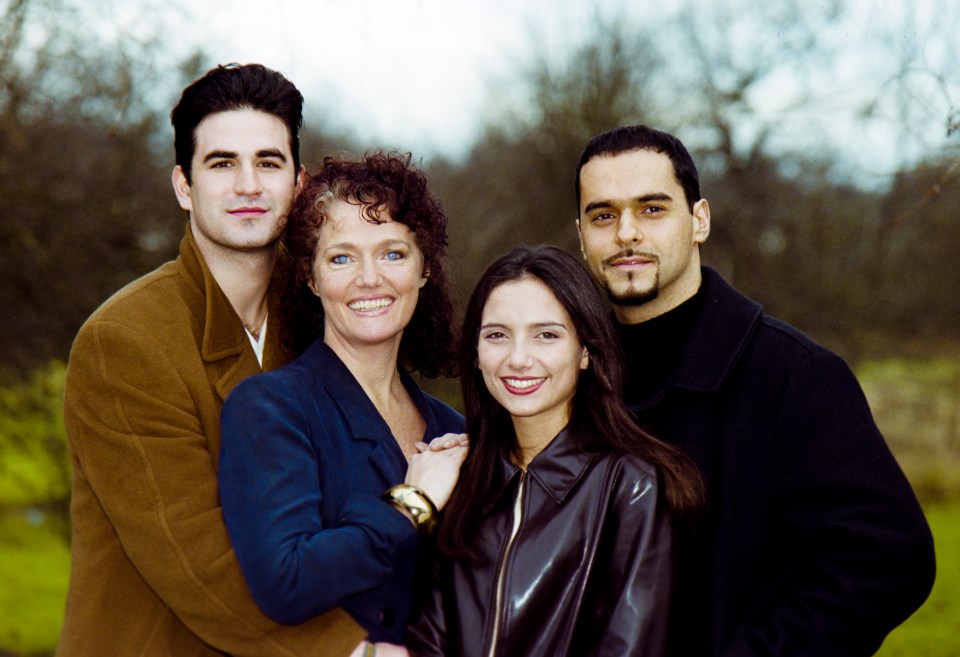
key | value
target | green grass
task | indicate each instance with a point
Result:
(34, 570)
(34, 567)
(934, 630)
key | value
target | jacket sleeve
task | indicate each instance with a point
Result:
(857, 554)
(634, 583)
(298, 565)
(135, 428)
(427, 633)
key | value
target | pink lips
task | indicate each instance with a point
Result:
(526, 390)
(247, 211)
(632, 261)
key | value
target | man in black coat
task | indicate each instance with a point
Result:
(813, 542)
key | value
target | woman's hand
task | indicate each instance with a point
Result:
(380, 650)
(436, 467)
(446, 441)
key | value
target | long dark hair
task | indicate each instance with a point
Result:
(598, 409)
(380, 182)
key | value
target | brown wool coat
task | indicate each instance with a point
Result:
(153, 572)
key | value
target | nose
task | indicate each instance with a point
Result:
(369, 274)
(628, 229)
(520, 357)
(247, 182)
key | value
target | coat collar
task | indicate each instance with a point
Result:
(362, 417)
(223, 334)
(557, 469)
(721, 333)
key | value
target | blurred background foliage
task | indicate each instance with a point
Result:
(863, 259)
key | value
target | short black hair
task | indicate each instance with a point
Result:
(232, 87)
(640, 137)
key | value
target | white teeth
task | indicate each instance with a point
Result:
(370, 304)
(523, 384)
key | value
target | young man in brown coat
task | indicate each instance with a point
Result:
(153, 572)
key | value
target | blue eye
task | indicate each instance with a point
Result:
(339, 260)
(394, 255)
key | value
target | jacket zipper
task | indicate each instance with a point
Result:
(501, 574)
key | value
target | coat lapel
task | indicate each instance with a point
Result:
(225, 348)
(364, 421)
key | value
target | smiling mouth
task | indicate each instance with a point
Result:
(366, 305)
(522, 386)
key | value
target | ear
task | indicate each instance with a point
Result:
(701, 221)
(312, 284)
(580, 237)
(182, 188)
(425, 276)
(301, 179)
(585, 359)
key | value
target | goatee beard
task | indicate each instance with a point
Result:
(634, 297)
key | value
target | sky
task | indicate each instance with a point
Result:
(422, 75)
(417, 73)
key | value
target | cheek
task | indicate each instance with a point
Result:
(488, 361)
(484, 358)
(594, 245)
(329, 286)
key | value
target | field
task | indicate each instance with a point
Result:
(934, 630)
(917, 405)
(34, 567)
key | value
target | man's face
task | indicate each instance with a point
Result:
(638, 236)
(243, 181)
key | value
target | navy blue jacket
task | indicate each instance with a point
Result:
(304, 459)
(814, 543)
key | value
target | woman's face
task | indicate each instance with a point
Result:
(368, 277)
(529, 354)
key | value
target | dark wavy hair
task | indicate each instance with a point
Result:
(640, 137)
(384, 184)
(598, 409)
(232, 87)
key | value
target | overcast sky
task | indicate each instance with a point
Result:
(417, 73)
(421, 74)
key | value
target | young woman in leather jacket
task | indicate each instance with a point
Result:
(557, 539)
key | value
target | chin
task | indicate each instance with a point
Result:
(633, 296)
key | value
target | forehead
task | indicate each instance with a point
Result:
(241, 131)
(346, 222)
(627, 175)
(525, 300)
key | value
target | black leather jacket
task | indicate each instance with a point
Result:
(577, 562)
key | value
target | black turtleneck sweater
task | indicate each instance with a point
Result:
(652, 350)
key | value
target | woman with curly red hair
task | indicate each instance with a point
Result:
(325, 475)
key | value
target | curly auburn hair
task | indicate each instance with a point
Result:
(384, 183)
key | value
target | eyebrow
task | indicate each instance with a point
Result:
(536, 325)
(272, 152)
(637, 200)
(383, 244)
(220, 155)
(232, 155)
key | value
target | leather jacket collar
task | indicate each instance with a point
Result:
(557, 469)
